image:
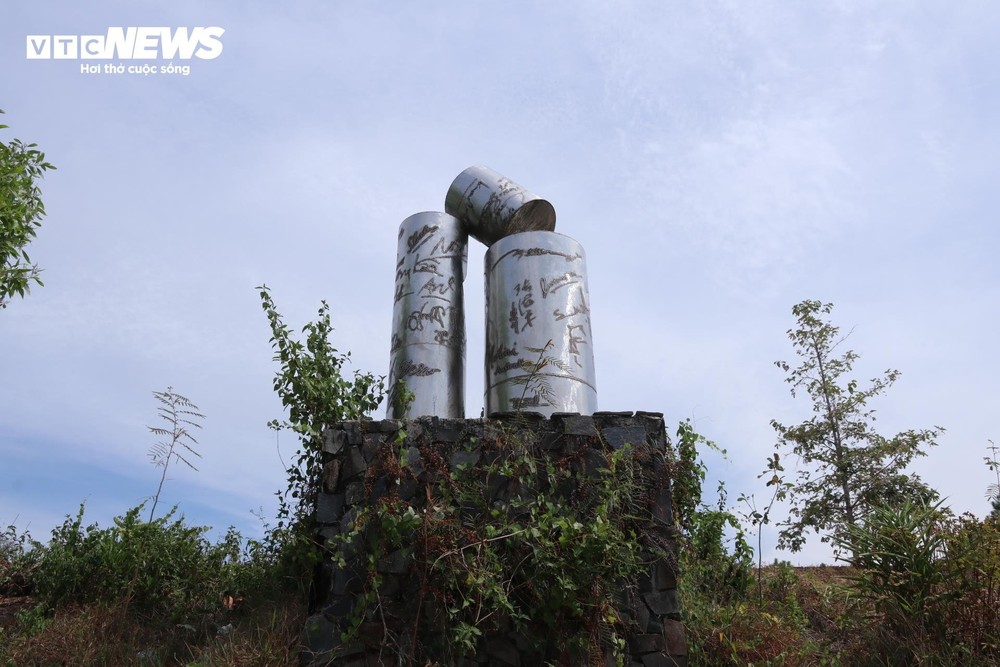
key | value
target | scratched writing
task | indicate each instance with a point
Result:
(409, 367)
(577, 309)
(443, 247)
(397, 343)
(521, 402)
(535, 252)
(401, 273)
(522, 316)
(427, 313)
(554, 284)
(496, 352)
(442, 336)
(420, 237)
(433, 289)
(401, 292)
(576, 339)
(497, 207)
(509, 366)
(427, 265)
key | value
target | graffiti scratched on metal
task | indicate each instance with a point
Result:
(492, 206)
(539, 353)
(428, 318)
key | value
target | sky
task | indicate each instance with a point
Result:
(719, 161)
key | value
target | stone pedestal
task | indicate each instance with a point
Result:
(414, 466)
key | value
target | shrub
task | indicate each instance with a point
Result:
(972, 574)
(160, 567)
(931, 583)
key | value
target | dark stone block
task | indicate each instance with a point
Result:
(526, 418)
(642, 616)
(407, 488)
(603, 414)
(414, 430)
(331, 475)
(354, 463)
(334, 440)
(329, 507)
(550, 441)
(583, 426)
(657, 660)
(619, 436)
(645, 583)
(322, 638)
(664, 575)
(593, 462)
(349, 550)
(370, 444)
(447, 431)
(339, 607)
(661, 509)
(388, 425)
(414, 461)
(674, 637)
(662, 603)
(464, 457)
(354, 431)
(347, 521)
(354, 494)
(645, 643)
(398, 562)
(347, 580)
(497, 488)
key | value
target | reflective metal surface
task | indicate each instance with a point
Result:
(493, 206)
(539, 356)
(428, 318)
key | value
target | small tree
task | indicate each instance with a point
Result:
(847, 469)
(177, 442)
(313, 387)
(21, 211)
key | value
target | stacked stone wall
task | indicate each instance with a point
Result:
(429, 450)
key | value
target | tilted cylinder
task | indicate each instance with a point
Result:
(539, 355)
(493, 206)
(428, 319)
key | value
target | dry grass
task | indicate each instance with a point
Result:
(99, 634)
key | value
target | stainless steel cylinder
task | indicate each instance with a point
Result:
(493, 206)
(428, 319)
(539, 353)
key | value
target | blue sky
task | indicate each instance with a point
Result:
(719, 162)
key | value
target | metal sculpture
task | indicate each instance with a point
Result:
(427, 354)
(539, 355)
(493, 206)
